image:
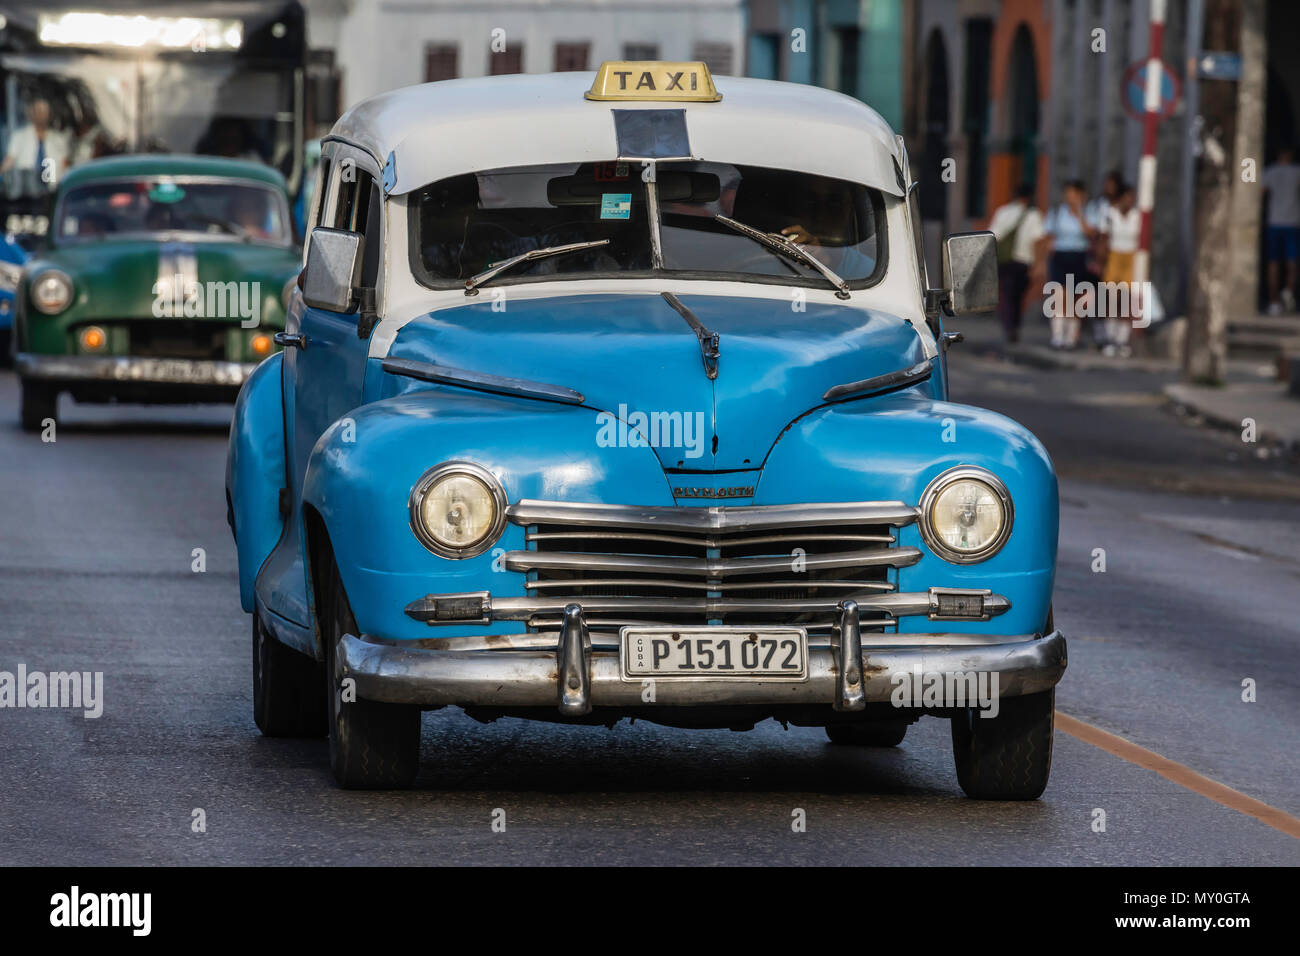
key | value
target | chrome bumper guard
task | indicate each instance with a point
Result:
(129, 369)
(480, 607)
(573, 676)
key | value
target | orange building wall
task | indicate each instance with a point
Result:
(1005, 169)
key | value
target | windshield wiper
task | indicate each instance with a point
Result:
(780, 244)
(492, 271)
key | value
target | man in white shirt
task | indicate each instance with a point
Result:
(1282, 185)
(36, 152)
(1018, 226)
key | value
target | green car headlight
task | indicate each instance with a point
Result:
(458, 509)
(966, 515)
(51, 291)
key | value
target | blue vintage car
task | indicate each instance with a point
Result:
(12, 257)
(626, 396)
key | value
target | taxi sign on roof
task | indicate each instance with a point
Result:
(650, 80)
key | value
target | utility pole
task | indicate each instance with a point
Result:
(1146, 189)
(1247, 210)
(1217, 171)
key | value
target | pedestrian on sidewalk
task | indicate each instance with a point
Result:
(1123, 228)
(1069, 238)
(1097, 215)
(1282, 186)
(1018, 226)
(1097, 211)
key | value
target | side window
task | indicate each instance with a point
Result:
(345, 202)
(373, 232)
(357, 209)
(318, 194)
(918, 236)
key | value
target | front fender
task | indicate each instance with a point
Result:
(255, 472)
(890, 449)
(361, 472)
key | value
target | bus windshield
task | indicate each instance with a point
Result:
(70, 94)
(219, 109)
(79, 107)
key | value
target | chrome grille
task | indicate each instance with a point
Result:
(789, 564)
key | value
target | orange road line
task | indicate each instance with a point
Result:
(1183, 776)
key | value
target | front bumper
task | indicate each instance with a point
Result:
(847, 672)
(132, 370)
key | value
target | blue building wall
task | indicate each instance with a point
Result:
(854, 46)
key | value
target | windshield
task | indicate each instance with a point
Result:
(219, 109)
(211, 208)
(463, 225)
(59, 110)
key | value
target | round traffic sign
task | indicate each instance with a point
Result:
(1134, 90)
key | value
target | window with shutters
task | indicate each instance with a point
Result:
(640, 51)
(716, 56)
(440, 62)
(571, 57)
(509, 60)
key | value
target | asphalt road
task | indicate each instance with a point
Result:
(97, 536)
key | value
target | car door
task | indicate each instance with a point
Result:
(328, 362)
(934, 319)
(325, 357)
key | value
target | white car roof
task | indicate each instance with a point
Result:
(437, 130)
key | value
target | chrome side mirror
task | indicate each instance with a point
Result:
(970, 272)
(333, 270)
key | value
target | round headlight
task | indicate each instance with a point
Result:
(966, 515)
(51, 292)
(458, 509)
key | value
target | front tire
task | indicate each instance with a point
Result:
(1007, 757)
(373, 745)
(288, 689)
(39, 401)
(876, 733)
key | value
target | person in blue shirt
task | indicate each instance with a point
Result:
(1069, 236)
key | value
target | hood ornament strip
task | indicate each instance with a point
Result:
(708, 339)
(903, 378)
(482, 382)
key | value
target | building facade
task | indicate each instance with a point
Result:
(987, 93)
(379, 45)
(855, 47)
(993, 93)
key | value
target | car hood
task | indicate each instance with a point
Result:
(116, 279)
(634, 356)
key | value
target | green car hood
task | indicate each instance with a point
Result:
(116, 279)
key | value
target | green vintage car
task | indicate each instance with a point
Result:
(164, 279)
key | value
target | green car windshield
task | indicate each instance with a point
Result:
(463, 225)
(144, 206)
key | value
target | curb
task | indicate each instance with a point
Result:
(1040, 356)
(1209, 403)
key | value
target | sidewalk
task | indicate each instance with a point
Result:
(1251, 390)
(1275, 413)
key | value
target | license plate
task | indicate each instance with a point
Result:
(167, 370)
(184, 371)
(715, 653)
